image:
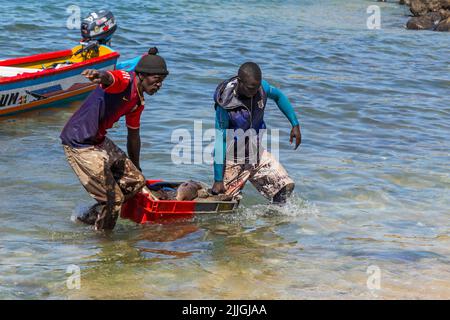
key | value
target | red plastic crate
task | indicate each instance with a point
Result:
(142, 209)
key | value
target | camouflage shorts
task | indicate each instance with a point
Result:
(268, 176)
(108, 175)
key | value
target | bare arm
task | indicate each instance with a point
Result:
(134, 146)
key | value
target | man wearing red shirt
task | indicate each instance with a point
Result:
(104, 170)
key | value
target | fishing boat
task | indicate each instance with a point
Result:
(52, 78)
(145, 208)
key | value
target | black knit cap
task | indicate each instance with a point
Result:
(151, 63)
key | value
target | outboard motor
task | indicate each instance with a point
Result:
(96, 29)
(98, 26)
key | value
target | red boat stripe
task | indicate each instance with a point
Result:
(36, 57)
(44, 73)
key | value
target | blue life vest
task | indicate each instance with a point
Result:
(241, 116)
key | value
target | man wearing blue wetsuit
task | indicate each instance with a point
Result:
(240, 103)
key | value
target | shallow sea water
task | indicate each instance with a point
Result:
(372, 174)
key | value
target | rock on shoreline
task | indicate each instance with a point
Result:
(428, 14)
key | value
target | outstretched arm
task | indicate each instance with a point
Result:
(285, 106)
(112, 81)
(98, 77)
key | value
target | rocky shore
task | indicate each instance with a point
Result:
(428, 14)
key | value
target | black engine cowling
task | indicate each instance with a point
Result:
(98, 26)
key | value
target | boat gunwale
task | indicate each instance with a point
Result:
(35, 58)
(49, 72)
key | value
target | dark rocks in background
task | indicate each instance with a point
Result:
(445, 4)
(445, 14)
(428, 21)
(418, 7)
(444, 25)
(428, 14)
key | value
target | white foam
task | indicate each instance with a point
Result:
(294, 207)
(78, 211)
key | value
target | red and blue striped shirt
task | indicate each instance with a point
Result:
(105, 106)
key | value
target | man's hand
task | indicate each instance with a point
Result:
(98, 77)
(295, 133)
(218, 187)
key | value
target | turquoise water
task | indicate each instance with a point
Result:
(372, 172)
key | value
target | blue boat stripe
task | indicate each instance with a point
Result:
(48, 89)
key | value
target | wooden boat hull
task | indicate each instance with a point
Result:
(52, 86)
